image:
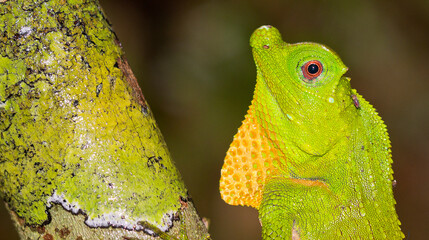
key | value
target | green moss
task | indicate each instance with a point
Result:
(70, 125)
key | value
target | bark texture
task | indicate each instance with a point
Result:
(81, 156)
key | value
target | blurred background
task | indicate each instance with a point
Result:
(195, 67)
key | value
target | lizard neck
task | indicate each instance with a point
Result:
(303, 129)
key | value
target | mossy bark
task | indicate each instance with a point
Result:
(81, 156)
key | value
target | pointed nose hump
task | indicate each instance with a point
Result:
(265, 36)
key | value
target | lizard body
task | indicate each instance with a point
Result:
(312, 155)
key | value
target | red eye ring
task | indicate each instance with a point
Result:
(312, 69)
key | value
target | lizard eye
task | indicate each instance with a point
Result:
(312, 69)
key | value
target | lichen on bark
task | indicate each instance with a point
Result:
(75, 129)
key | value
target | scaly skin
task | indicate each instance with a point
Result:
(312, 155)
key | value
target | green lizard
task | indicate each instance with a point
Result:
(311, 155)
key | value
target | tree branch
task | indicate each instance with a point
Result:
(80, 152)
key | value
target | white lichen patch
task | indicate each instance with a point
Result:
(59, 199)
(24, 31)
(118, 218)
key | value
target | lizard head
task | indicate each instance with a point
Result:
(306, 83)
(302, 69)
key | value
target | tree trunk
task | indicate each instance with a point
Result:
(80, 153)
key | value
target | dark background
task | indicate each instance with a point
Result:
(196, 70)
